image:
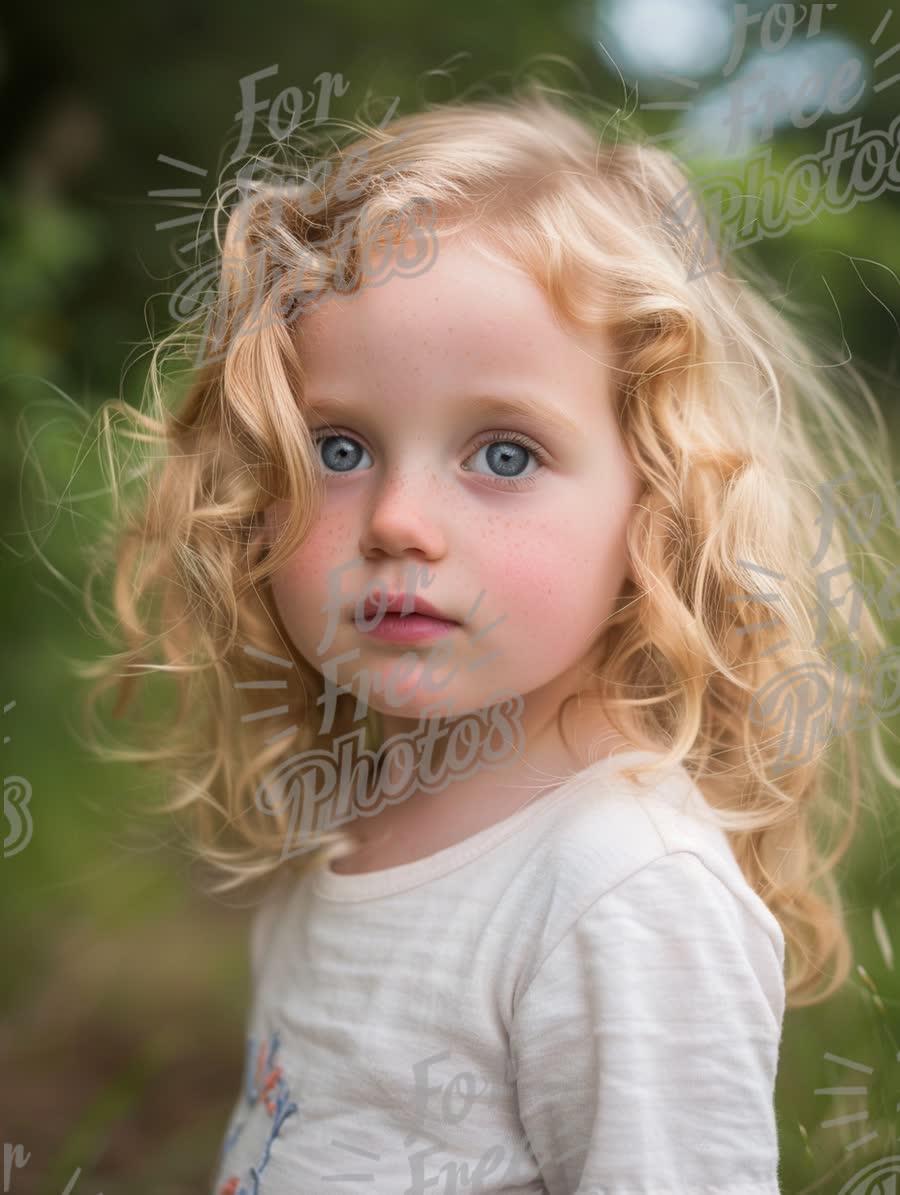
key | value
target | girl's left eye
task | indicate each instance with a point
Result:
(508, 453)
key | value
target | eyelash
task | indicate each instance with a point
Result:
(511, 483)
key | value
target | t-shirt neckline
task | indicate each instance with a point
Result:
(391, 880)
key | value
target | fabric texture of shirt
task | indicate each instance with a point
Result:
(585, 998)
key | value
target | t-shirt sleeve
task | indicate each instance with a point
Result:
(645, 1048)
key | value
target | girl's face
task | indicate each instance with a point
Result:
(440, 483)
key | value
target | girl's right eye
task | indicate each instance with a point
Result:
(338, 452)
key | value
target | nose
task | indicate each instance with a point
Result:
(402, 517)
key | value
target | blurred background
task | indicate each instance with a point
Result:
(124, 988)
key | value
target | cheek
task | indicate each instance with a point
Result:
(554, 590)
(303, 585)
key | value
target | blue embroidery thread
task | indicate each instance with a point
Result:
(259, 1082)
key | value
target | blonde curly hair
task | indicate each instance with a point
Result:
(724, 409)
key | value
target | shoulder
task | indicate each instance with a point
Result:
(266, 916)
(671, 942)
(607, 826)
(618, 847)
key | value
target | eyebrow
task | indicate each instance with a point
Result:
(535, 411)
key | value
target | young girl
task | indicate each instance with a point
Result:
(485, 550)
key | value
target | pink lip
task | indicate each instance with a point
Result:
(402, 603)
(409, 628)
(423, 621)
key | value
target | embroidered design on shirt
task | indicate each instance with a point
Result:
(264, 1085)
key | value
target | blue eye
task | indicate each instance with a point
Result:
(340, 453)
(506, 454)
(508, 458)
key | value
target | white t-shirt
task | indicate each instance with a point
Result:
(585, 997)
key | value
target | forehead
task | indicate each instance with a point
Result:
(466, 312)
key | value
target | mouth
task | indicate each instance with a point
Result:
(403, 605)
(403, 618)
